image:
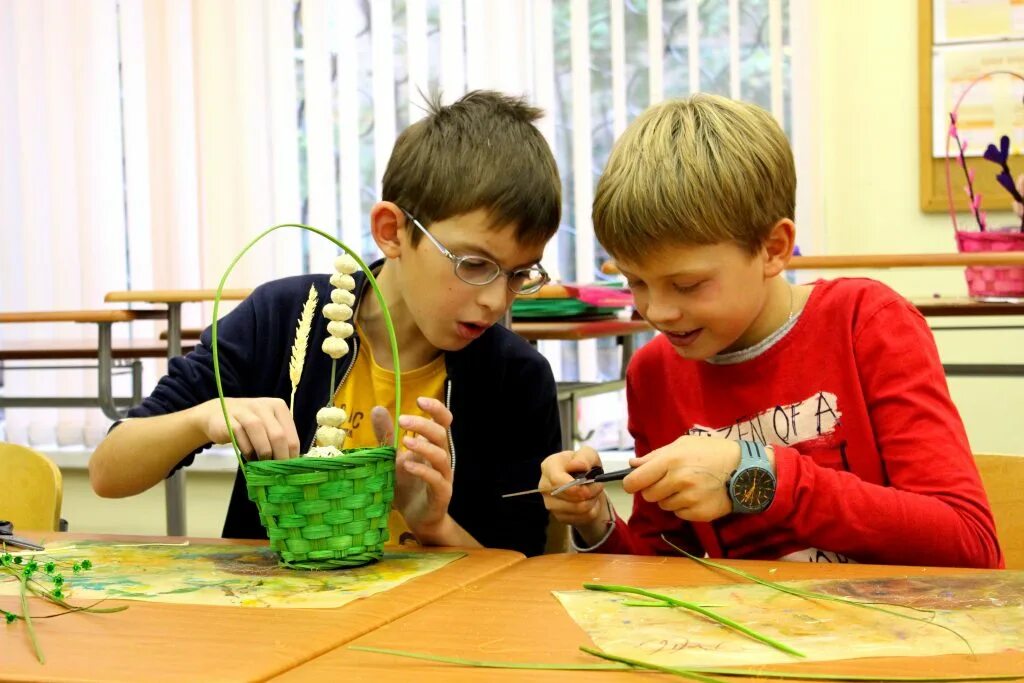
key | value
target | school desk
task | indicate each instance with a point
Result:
(512, 616)
(104, 352)
(159, 641)
(171, 300)
(841, 261)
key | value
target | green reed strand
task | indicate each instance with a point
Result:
(682, 673)
(380, 298)
(483, 664)
(759, 673)
(91, 609)
(28, 620)
(693, 607)
(330, 394)
(811, 595)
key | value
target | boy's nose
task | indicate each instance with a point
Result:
(661, 310)
(495, 296)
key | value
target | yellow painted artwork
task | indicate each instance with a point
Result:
(974, 20)
(991, 109)
(226, 575)
(986, 609)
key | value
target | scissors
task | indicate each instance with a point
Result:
(591, 476)
(6, 536)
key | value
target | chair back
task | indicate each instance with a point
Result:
(1003, 478)
(32, 489)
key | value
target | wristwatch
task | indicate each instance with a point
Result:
(752, 486)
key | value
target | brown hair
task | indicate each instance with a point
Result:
(695, 171)
(481, 152)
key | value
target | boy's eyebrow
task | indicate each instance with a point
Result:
(484, 252)
(692, 272)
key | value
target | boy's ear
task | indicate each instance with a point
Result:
(778, 247)
(387, 225)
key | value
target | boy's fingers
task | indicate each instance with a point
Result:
(434, 456)
(431, 477)
(252, 424)
(383, 427)
(290, 434)
(243, 441)
(436, 410)
(644, 476)
(432, 431)
(276, 444)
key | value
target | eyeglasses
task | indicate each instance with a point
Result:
(480, 270)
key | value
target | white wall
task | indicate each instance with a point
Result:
(864, 110)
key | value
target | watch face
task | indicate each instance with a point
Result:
(754, 488)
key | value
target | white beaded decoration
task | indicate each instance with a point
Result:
(337, 328)
(337, 312)
(343, 296)
(345, 264)
(329, 437)
(331, 417)
(335, 347)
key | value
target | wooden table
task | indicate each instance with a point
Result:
(512, 616)
(154, 641)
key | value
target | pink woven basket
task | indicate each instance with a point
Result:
(992, 281)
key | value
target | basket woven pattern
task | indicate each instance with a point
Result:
(325, 513)
(992, 281)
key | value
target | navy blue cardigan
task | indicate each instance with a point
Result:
(500, 390)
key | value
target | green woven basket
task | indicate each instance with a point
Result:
(321, 513)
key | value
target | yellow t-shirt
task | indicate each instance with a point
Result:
(369, 385)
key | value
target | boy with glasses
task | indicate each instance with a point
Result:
(478, 181)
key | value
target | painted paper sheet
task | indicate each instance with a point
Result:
(229, 575)
(987, 609)
(975, 20)
(991, 109)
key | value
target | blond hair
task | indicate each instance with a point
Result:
(695, 171)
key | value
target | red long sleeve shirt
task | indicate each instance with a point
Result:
(872, 459)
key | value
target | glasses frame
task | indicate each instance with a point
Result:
(458, 260)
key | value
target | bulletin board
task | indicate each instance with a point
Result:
(959, 40)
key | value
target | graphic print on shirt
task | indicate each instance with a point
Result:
(812, 423)
(813, 419)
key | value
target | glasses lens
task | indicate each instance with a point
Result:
(527, 281)
(477, 270)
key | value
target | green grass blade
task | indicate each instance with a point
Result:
(811, 595)
(693, 607)
(683, 673)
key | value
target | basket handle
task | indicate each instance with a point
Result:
(949, 136)
(376, 290)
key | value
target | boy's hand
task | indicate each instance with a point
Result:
(583, 507)
(423, 472)
(263, 426)
(687, 477)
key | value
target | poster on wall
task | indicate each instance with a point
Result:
(957, 21)
(993, 106)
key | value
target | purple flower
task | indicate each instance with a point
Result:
(1006, 181)
(999, 156)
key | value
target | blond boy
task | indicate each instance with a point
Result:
(771, 421)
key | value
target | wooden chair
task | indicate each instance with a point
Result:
(1003, 478)
(32, 489)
